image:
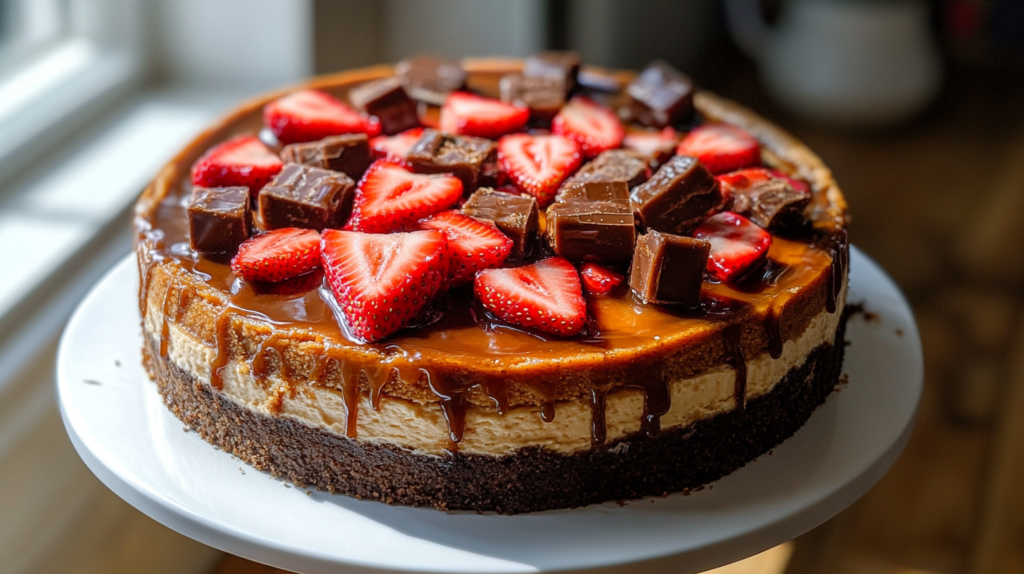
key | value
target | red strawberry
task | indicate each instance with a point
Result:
(381, 282)
(390, 197)
(310, 115)
(598, 280)
(797, 184)
(277, 255)
(747, 180)
(242, 161)
(736, 244)
(474, 244)
(545, 296)
(721, 147)
(395, 148)
(591, 125)
(290, 287)
(468, 114)
(658, 145)
(538, 164)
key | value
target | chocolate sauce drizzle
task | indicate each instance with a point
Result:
(733, 335)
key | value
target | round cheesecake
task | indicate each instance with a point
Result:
(468, 412)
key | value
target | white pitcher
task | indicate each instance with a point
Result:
(855, 63)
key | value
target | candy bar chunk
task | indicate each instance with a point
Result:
(429, 79)
(515, 215)
(660, 96)
(307, 197)
(768, 200)
(473, 160)
(677, 197)
(386, 99)
(544, 95)
(219, 219)
(596, 191)
(668, 268)
(565, 65)
(348, 153)
(598, 231)
(612, 165)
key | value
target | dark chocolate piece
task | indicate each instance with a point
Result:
(386, 99)
(515, 215)
(430, 79)
(348, 153)
(678, 197)
(668, 268)
(660, 96)
(307, 197)
(612, 165)
(219, 219)
(598, 81)
(772, 204)
(596, 191)
(564, 65)
(473, 160)
(599, 231)
(544, 95)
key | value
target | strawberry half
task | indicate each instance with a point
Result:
(474, 244)
(390, 197)
(382, 282)
(310, 115)
(736, 244)
(395, 148)
(545, 296)
(468, 114)
(277, 255)
(241, 161)
(598, 280)
(593, 126)
(538, 164)
(721, 147)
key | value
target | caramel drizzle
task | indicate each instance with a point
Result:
(452, 406)
(839, 250)
(260, 364)
(773, 325)
(733, 335)
(221, 329)
(165, 327)
(350, 386)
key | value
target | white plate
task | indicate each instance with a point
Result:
(122, 430)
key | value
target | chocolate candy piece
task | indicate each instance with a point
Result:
(472, 160)
(596, 191)
(599, 231)
(544, 95)
(430, 79)
(348, 153)
(660, 96)
(772, 204)
(565, 65)
(668, 268)
(219, 219)
(514, 215)
(679, 195)
(386, 99)
(307, 197)
(612, 165)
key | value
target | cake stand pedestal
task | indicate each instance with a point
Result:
(125, 434)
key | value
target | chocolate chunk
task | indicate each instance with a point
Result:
(599, 231)
(544, 95)
(772, 204)
(660, 96)
(596, 191)
(307, 197)
(430, 79)
(565, 65)
(473, 160)
(514, 215)
(668, 268)
(612, 165)
(219, 219)
(349, 154)
(679, 195)
(386, 99)
(598, 81)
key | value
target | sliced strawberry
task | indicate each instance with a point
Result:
(395, 148)
(538, 164)
(545, 296)
(390, 197)
(797, 184)
(310, 115)
(657, 145)
(598, 280)
(590, 124)
(468, 114)
(381, 282)
(241, 161)
(721, 147)
(277, 255)
(474, 244)
(736, 244)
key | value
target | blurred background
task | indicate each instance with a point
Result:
(917, 106)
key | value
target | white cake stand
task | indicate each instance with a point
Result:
(122, 430)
